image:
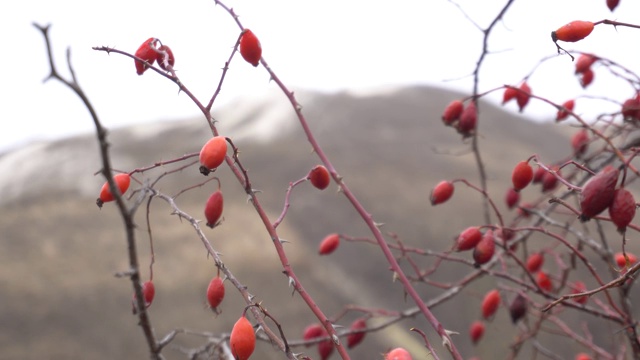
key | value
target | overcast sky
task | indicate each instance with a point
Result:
(327, 45)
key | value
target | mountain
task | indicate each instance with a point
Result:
(60, 252)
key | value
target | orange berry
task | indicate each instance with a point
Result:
(622, 262)
(522, 97)
(534, 262)
(213, 209)
(586, 78)
(522, 175)
(584, 62)
(476, 330)
(573, 31)
(212, 154)
(468, 120)
(242, 340)
(250, 47)
(544, 282)
(398, 354)
(441, 192)
(452, 112)
(484, 250)
(579, 287)
(564, 112)
(319, 177)
(356, 338)
(468, 239)
(512, 198)
(325, 348)
(329, 244)
(122, 182)
(215, 293)
(583, 356)
(313, 331)
(490, 303)
(148, 292)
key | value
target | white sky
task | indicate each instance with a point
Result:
(327, 45)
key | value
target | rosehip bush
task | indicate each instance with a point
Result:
(558, 252)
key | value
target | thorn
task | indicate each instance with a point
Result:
(446, 343)
(282, 241)
(377, 224)
(451, 332)
(336, 339)
(292, 282)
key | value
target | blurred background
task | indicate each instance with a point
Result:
(373, 80)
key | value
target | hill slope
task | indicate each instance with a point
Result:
(59, 252)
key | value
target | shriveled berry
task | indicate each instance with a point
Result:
(597, 194)
(573, 31)
(212, 154)
(468, 239)
(484, 250)
(441, 192)
(522, 175)
(476, 330)
(512, 198)
(165, 57)
(452, 112)
(122, 182)
(146, 52)
(329, 244)
(518, 308)
(534, 262)
(242, 340)
(622, 209)
(319, 177)
(215, 293)
(398, 354)
(490, 303)
(564, 112)
(213, 209)
(523, 96)
(250, 48)
(356, 338)
(543, 281)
